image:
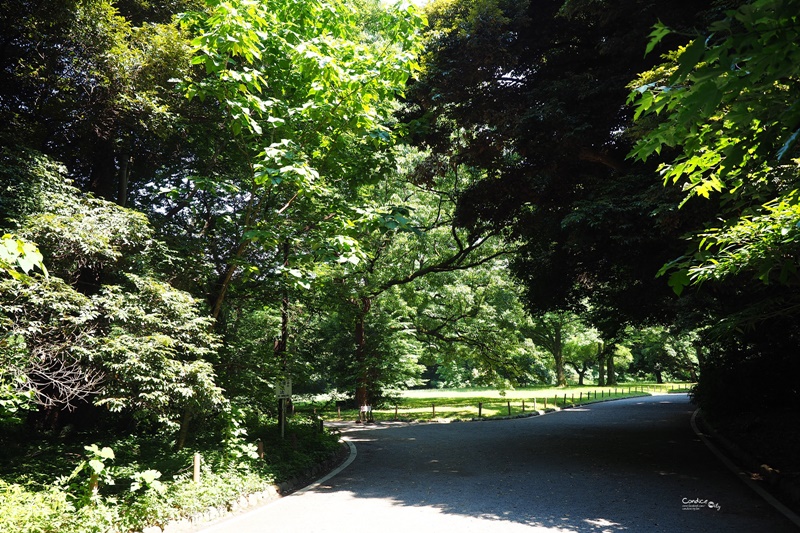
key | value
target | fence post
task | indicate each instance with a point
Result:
(480, 409)
(395, 412)
(433, 409)
(196, 476)
(580, 397)
(509, 408)
(534, 404)
(523, 406)
(565, 400)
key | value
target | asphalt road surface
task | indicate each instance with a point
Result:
(630, 465)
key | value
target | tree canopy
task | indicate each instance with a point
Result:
(724, 103)
(542, 108)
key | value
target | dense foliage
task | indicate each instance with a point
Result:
(199, 199)
(721, 114)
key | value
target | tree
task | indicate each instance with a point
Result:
(533, 92)
(580, 351)
(103, 327)
(725, 103)
(87, 82)
(719, 116)
(566, 339)
(472, 320)
(412, 240)
(307, 95)
(659, 352)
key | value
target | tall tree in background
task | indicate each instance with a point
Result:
(414, 239)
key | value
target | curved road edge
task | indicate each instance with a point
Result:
(351, 457)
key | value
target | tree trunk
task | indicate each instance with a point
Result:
(281, 343)
(183, 433)
(659, 376)
(601, 365)
(558, 355)
(226, 279)
(122, 181)
(700, 360)
(103, 178)
(581, 371)
(561, 378)
(362, 381)
(610, 372)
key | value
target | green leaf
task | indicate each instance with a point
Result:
(689, 58)
(679, 280)
(660, 30)
(96, 465)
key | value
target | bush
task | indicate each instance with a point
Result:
(143, 482)
(51, 511)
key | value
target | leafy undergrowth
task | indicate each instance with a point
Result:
(47, 484)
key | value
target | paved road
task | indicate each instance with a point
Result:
(631, 465)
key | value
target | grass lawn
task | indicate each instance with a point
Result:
(461, 404)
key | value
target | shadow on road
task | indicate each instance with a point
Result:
(632, 465)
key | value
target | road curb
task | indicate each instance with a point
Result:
(750, 469)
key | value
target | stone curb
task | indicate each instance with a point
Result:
(786, 486)
(250, 501)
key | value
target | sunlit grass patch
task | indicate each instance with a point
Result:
(467, 404)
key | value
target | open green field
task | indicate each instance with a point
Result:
(464, 404)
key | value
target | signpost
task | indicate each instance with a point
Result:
(283, 391)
